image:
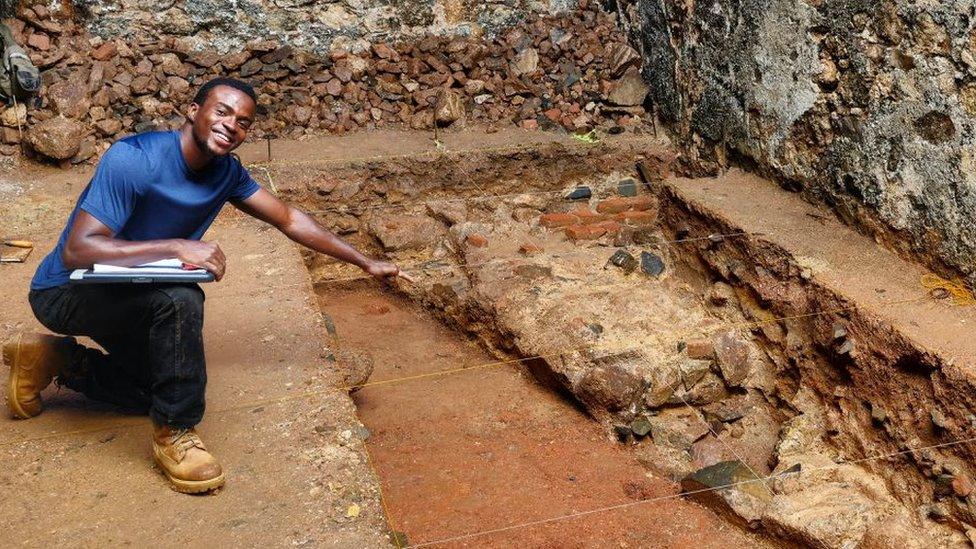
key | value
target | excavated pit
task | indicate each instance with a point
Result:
(702, 349)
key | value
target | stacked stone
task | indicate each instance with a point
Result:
(574, 72)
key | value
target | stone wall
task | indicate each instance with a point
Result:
(865, 105)
(568, 72)
(227, 25)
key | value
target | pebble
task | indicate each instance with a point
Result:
(580, 193)
(624, 260)
(627, 187)
(651, 264)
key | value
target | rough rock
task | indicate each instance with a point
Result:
(733, 357)
(449, 108)
(744, 498)
(678, 427)
(354, 368)
(405, 232)
(526, 62)
(69, 98)
(629, 91)
(858, 110)
(612, 388)
(57, 138)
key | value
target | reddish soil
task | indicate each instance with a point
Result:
(474, 451)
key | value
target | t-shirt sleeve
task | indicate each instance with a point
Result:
(244, 185)
(114, 188)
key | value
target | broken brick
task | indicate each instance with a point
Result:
(640, 218)
(585, 232)
(555, 220)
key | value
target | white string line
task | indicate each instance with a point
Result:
(681, 494)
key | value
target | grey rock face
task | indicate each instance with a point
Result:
(868, 107)
(227, 25)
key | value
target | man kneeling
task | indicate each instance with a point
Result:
(153, 196)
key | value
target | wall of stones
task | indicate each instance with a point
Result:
(865, 105)
(572, 71)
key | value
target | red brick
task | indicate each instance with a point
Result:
(476, 240)
(614, 205)
(612, 227)
(620, 204)
(587, 216)
(553, 114)
(530, 124)
(585, 232)
(636, 218)
(553, 220)
(643, 202)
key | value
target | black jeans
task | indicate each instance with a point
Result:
(154, 338)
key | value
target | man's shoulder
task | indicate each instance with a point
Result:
(137, 152)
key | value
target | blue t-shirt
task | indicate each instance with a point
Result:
(144, 190)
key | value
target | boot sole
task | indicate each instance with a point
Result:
(190, 486)
(15, 409)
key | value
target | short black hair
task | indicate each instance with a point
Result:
(201, 97)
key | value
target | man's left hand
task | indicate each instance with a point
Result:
(383, 271)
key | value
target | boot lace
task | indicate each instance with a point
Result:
(184, 439)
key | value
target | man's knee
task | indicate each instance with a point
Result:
(184, 300)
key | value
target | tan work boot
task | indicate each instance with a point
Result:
(181, 455)
(34, 360)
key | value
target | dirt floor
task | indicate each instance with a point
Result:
(82, 475)
(468, 453)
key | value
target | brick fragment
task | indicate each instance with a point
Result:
(585, 232)
(555, 220)
(529, 249)
(636, 218)
(622, 204)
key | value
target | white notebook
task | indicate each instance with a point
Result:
(163, 266)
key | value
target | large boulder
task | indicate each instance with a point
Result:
(57, 138)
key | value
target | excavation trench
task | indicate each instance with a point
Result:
(564, 350)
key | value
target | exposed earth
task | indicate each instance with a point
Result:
(532, 385)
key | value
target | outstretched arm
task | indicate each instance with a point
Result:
(302, 228)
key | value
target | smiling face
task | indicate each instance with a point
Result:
(220, 125)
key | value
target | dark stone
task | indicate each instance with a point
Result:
(627, 187)
(651, 264)
(624, 260)
(580, 193)
(706, 486)
(640, 427)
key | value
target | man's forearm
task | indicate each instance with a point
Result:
(309, 233)
(114, 251)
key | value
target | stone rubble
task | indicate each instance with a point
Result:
(550, 73)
